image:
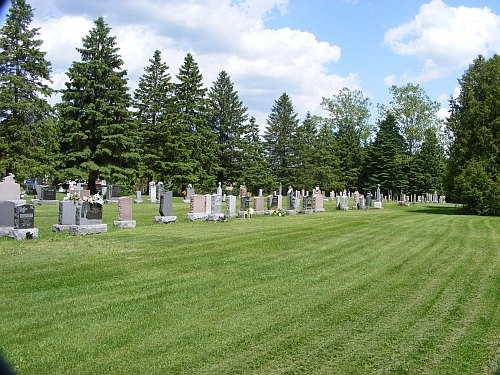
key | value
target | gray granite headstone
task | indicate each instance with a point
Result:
(166, 204)
(231, 205)
(7, 214)
(48, 193)
(114, 191)
(67, 212)
(216, 204)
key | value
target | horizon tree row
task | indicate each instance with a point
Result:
(184, 133)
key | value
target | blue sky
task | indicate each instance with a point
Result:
(307, 48)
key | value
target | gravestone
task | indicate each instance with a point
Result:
(166, 209)
(159, 190)
(258, 205)
(215, 207)
(197, 209)
(355, 206)
(219, 189)
(6, 217)
(10, 190)
(24, 216)
(307, 205)
(48, 193)
(244, 203)
(272, 202)
(289, 199)
(378, 199)
(368, 199)
(189, 192)
(88, 219)
(345, 202)
(152, 192)
(138, 197)
(230, 206)
(318, 203)
(114, 191)
(125, 214)
(67, 216)
(362, 205)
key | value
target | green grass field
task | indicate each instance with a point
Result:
(404, 290)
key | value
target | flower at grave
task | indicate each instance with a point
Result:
(249, 212)
(184, 192)
(71, 197)
(96, 198)
(278, 212)
(223, 218)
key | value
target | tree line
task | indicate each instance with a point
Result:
(181, 132)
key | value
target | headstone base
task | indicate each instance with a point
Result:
(378, 205)
(18, 202)
(138, 201)
(193, 217)
(291, 212)
(243, 215)
(4, 231)
(43, 202)
(214, 217)
(354, 207)
(268, 212)
(82, 230)
(23, 234)
(307, 211)
(111, 201)
(165, 219)
(152, 201)
(363, 208)
(60, 227)
(124, 223)
(186, 201)
(319, 210)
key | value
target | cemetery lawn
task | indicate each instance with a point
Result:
(403, 290)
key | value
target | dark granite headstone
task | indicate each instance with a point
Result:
(114, 191)
(24, 216)
(48, 193)
(88, 213)
(166, 204)
(244, 203)
(307, 203)
(7, 214)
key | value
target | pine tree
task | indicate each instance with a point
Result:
(227, 120)
(327, 170)
(28, 135)
(98, 135)
(386, 160)
(278, 140)
(154, 109)
(191, 155)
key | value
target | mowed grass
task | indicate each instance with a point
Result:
(404, 290)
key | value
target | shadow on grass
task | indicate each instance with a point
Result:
(437, 210)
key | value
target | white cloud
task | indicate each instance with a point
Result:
(444, 38)
(221, 35)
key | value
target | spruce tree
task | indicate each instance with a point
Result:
(227, 120)
(254, 167)
(305, 149)
(387, 158)
(279, 136)
(191, 155)
(98, 135)
(327, 165)
(430, 164)
(28, 134)
(154, 108)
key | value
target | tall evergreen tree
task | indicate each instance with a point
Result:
(191, 155)
(349, 114)
(386, 160)
(154, 108)
(474, 128)
(278, 140)
(305, 153)
(255, 172)
(28, 135)
(327, 169)
(227, 120)
(98, 135)
(430, 164)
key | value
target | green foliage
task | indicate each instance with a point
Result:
(190, 157)
(430, 164)
(28, 135)
(99, 137)
(474, 129)
(349, 114)
(327, 169)
(386, 160)
(227, 121)
(305, 149)
(154, 111)
(255, 172)
(279, 137)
